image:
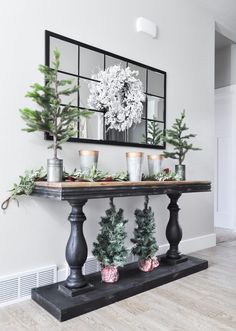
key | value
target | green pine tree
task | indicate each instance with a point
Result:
(154, 134)
(177, 137)
(54, 119)
(109, 248)
(145, 242)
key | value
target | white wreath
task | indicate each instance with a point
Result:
(120, 93)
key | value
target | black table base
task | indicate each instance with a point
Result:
(132, 281)
(79, 294)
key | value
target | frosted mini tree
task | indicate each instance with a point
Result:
(109, 248)
(145, 245)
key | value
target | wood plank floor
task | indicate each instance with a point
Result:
(203, 301)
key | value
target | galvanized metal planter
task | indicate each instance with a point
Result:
(88, 159)
(180, 171)
(54, 170)
(154, 163)
(134, 166)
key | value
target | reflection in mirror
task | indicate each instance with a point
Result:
(73, 97)
(111, 61)
(91, 62)
(115, 135)
(137, 133)
(155, 108)
(68, 55)
(141, 75)
(155, 131)
(156, 83)
(92, 127)
(74, 125)
(80, 62)
(84, 92)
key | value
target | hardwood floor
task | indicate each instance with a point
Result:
(203, 301)
(223, 235)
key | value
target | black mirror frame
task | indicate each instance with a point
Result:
(49, 34)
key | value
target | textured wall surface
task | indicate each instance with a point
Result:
(36, 233)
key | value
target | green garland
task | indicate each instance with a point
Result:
(27, 181)
(95, 175)
(25, 185)
(164, 175)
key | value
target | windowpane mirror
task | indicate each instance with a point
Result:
(80, 62)
(156, 84)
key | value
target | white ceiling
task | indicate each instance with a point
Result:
(223, 11)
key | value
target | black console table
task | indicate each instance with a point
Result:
(80, 294)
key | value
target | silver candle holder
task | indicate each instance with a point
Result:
(134, 166)
(154, 163)
(88, 159)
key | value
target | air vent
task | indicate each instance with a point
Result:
(18, 287)
(91, 266)
(46, 277)
(27, 282)
(8, 290)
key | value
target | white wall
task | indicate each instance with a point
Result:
(224, 157)
(225, 66)
(36, 233)
(225, 188)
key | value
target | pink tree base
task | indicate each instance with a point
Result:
(148, 264)
(110, 274)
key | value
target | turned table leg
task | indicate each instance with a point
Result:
(76, 252)
(174, 232)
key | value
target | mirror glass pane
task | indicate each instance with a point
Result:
(65, 99)
(136, 134)
(156, 83)
(115, 135)
(75, 128)
(155, 108)
(68, 55)
(111, 61)
(154, 130)
(92, 127)
(84, 92)
(91, 62)
(141, 74)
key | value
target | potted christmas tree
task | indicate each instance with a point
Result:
(55, 119)
(177, 137)
(145, 243)
(109, 248)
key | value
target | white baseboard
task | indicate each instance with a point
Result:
(16, 288)
(193, 244)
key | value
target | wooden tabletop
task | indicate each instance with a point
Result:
(117, 184)
(93, 190)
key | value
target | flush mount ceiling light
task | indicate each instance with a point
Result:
(146, 26)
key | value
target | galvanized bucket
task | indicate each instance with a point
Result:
(180, 171)
(88, 159)
(134, 166)
(154, 163)
(54, 170)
